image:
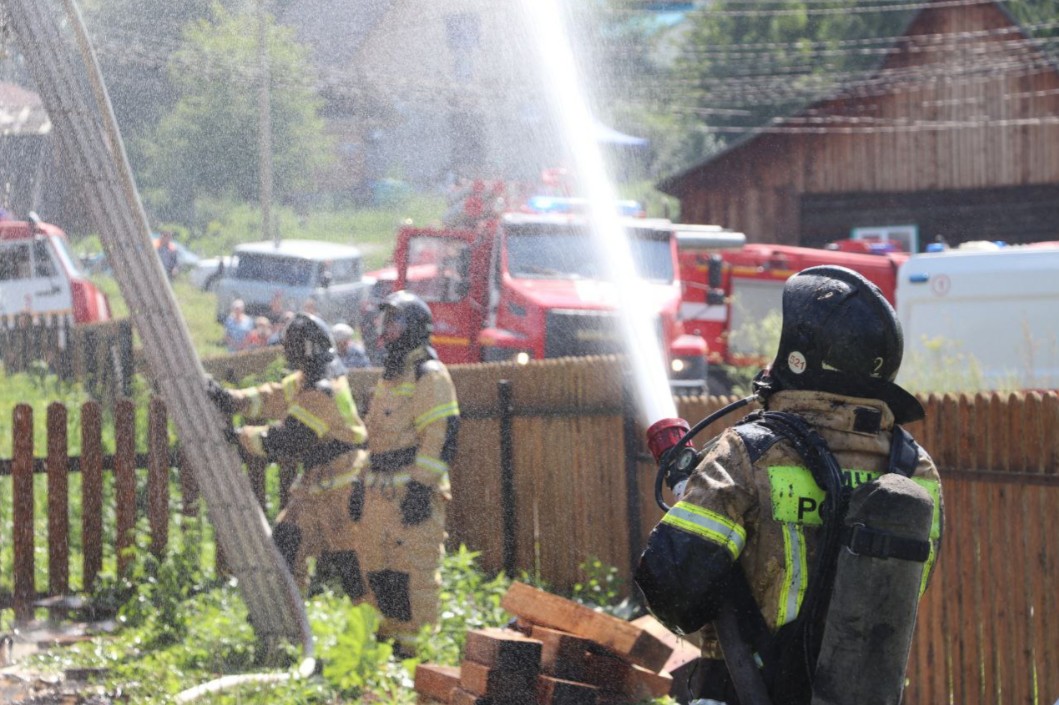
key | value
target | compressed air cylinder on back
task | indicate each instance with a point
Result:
(872, 614)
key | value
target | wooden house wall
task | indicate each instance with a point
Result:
(978, 111)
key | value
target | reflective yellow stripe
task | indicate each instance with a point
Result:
(434, 465)
(927, 567)
(254, 397)
(332, 482)
(797, 498)
(403, 390)
(254, 440)
(436, 414)
(348, 408)
(315, 423)
(796, 573)
(290, 387)
(397, 479)
(711, 526)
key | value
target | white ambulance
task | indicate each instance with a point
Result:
(983, 316)
(40, 276)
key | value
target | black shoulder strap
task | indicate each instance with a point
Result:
(904, 453)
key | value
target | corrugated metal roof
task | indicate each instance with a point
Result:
(21, 112)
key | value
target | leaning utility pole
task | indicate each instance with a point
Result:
(264, 126)
(63, 65)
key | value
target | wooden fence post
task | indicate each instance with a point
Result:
(189, 488)
(158, 476)
(25, 590)
(91, 492)
(125, 479)
(508, 505)
(58, 502)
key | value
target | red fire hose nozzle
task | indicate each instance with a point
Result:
(663, 435)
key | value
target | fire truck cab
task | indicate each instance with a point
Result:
(40, 275)
(529, 285)
(729, 286)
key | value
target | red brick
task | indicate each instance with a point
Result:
(463, 697)
(497, 684)
(629, 641)
(504, 649)
(557, 691)
(563, 655)
(435, 681)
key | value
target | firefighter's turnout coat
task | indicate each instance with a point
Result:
(319, 426)
(412, 424)
(752, 501)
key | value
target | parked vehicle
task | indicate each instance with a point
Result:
(987, 310)
(731, 287)
(273, 278)
(520, 284)
(40, 275)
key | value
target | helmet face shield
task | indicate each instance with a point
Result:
(307, 344)
(392, 324)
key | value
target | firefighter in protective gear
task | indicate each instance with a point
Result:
(400, 505)
(317, 425)
(748, 528)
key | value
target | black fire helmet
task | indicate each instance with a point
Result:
(308, 345)
(840, 335)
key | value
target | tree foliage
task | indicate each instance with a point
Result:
(208, 143)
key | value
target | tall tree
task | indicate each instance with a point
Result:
(208, 143)
(134, 40)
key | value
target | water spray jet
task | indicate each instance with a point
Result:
(557, 64)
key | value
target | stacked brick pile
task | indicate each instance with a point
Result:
(558, 653)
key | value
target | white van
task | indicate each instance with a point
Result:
(272, 279)
(40, 276)
(981, 317)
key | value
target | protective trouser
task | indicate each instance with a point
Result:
(400, 562)
(316, 523)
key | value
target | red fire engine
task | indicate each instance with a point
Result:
(524, 284)
(729, 285)
(40, 275)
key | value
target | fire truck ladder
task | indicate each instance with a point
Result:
(68, 78)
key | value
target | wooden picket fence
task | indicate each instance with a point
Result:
(551, 470)
(98, 354)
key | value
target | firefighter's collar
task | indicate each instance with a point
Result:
(835, 411)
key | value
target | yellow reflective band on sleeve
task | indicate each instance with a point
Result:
(796, 498)
(315, 423)
(434, 465)
(330, 483)
(290, 387)
(256, 441)
(348, 408)
(406, 389)
(439, 412)
(927, 567)
(708, 525)
(253, 396)
(795, 576)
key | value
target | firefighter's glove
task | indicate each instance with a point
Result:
(220, 396)
(356, 500)
(416, 505)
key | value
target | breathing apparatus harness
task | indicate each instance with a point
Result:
(793, 651)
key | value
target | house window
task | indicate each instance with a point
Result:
(463, 32)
